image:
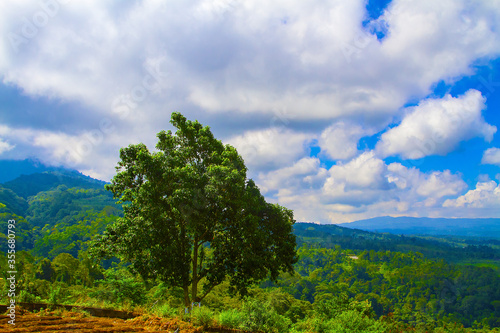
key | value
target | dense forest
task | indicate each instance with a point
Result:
(345, 280)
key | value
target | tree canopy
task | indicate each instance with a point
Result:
(192, 218)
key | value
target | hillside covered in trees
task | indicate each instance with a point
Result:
(345, 280)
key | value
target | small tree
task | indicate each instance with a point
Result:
(45, 270)
(191, 217)
(65, 268)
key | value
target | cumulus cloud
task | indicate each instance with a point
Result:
(436, 39)
(303, 175)
(437, 126)
(362, 172)
(239, 56)
(357, 182)
(340, 140)
(5, 146)
(491, 156)
(485, 195)
(364, 187)
(435, 184)
(270, 148)
(246, 56)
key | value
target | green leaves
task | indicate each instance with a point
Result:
(189, 195)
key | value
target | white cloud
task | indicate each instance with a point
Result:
(339, 141)
(437, 39)
(247, 56)
(433, 185)
(87, 151)
(365, 171)
(361, 188)
(437, 126)
(491, 156)
(5, 146)
(359, 182)
(485, 195)
(270, 148)
(305, 174)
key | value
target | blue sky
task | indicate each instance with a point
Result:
(342, 110)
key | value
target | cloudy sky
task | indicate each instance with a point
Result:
(342, 109)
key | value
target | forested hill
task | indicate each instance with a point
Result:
(457, 249)
(29, 185)
(56, 211)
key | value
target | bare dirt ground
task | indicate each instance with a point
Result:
(65, 321)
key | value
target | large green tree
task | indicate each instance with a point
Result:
(192, 218)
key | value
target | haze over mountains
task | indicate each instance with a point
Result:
(11, 169)
(430, 226)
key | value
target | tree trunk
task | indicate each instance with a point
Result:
(187, 301)
(194, 286)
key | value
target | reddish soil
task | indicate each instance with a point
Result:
(64, 321)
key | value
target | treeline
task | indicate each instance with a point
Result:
(410, 287)
(451, 249)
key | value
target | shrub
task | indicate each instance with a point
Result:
(231, 319)
(261, 316)
(202, 316)
(165, 310)
(352, 321)
(341, 314)
(119, 286)
(55, 295)
(26, 297)
(41, 288)
(174, 296)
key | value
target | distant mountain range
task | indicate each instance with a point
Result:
(430, 226)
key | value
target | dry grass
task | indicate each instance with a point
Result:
(80, 322)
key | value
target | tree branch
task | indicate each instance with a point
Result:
(207, 292)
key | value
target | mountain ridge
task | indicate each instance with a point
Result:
(28, 185)
(407, 225)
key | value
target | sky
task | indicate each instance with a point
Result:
(342, 110)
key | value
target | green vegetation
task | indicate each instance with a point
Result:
(330, 292)
(343, 280)
(459, 250)
(192, 219)
(29, 185)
